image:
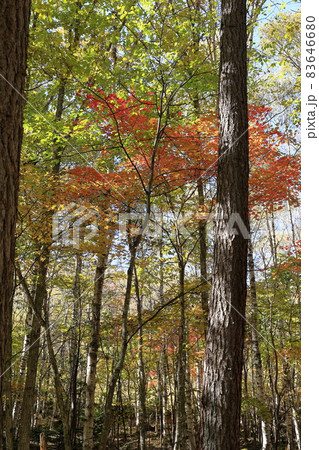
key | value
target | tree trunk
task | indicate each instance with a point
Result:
(108, 416)
(133, 245)
(181, 419)
(29, 392)
(23, 365)
(43, 442)
(221, 400)
(296, 428)
(42, 259)
(60, 394)
(75, 349)
(88, 429)
(14, 26)
(203, 251)
(141, 371)
(165, 430)
(8, 395)
(190, 409)
(265, 417)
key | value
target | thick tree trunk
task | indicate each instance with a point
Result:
(14, 26)
(88, 430)
(221, 400)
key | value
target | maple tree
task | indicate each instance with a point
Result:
(186, 153)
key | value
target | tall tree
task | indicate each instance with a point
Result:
(88, 430)
(225, 333)
(257, 362)
(14, 25)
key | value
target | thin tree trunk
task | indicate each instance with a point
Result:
(200, 185)
(289, 428)
(29, 392)
(108, 415)
(165, 431)
(43, 256)
(190, 410)
(23, 365)
(60, 394)
(75, 348)
(8, 396)
(141, 371)
(180, 442)
(88, 430)
(199, 377)
(296, 428)
(203, 251)
(43, 442)
(257, 364)
(221, 400)
(133, 245)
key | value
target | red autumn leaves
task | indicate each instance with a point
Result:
(140, 151)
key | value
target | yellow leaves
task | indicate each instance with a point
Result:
(61, 30)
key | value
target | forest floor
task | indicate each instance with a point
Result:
(153, 443)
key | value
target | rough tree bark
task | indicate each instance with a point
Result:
(14, 26)
(223, 362)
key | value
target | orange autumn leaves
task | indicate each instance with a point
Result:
(139, 151)
(274, 174)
